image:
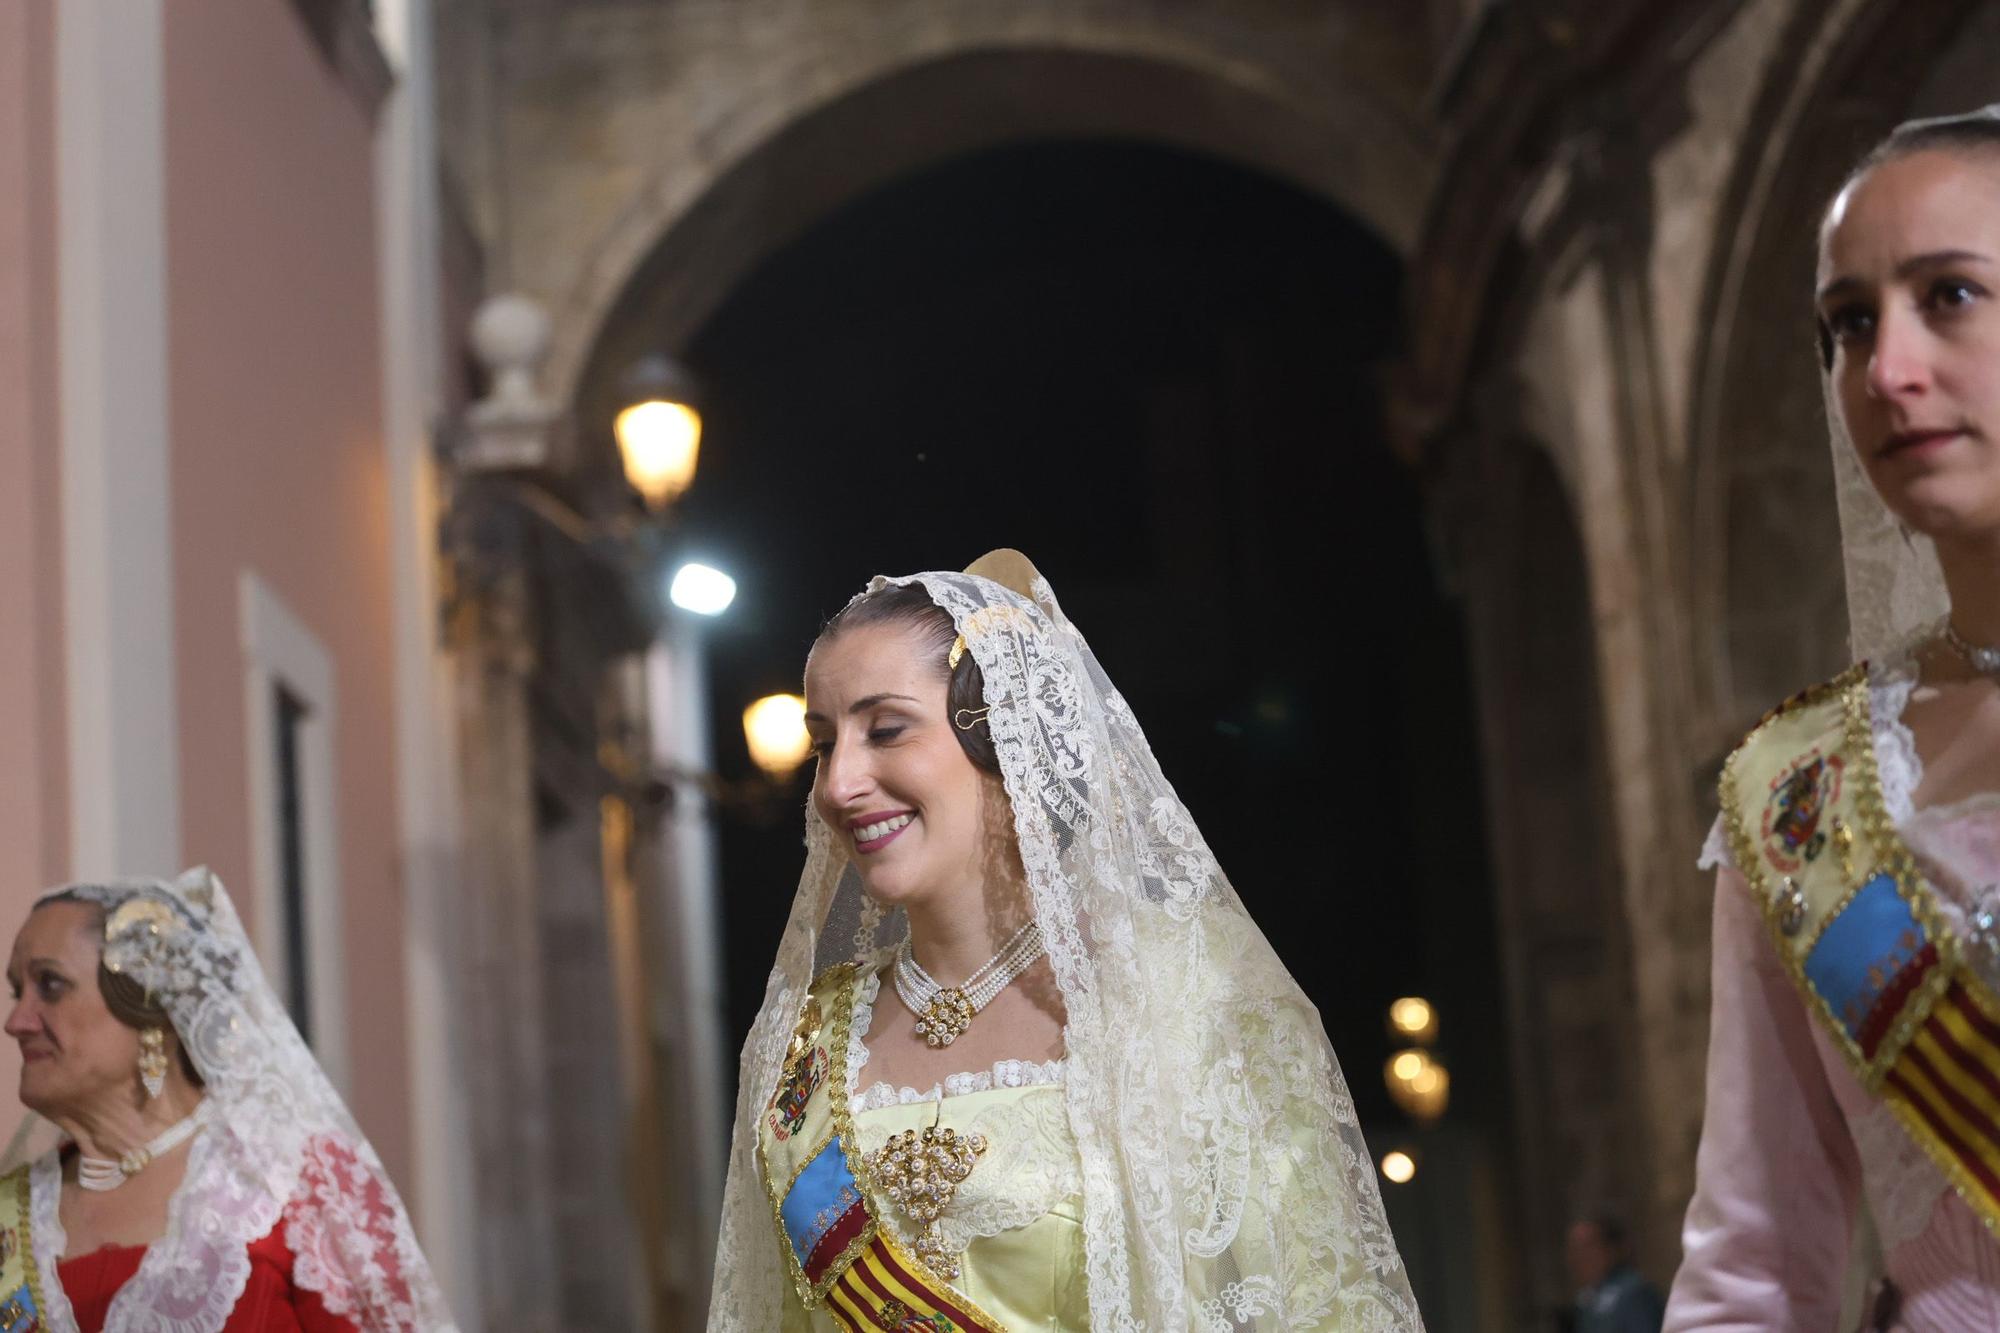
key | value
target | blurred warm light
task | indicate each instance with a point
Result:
(659, 441)
(702, 590)
(775, 729)
(1399, 1167)
(1413, 1019)
(1418, 1084)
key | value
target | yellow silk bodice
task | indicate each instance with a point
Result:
(1018, 1215)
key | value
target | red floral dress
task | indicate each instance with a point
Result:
(270, 1303)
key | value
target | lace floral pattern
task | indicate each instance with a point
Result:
(50, 1240)
(1897, 766)
(1894, 585)
(276, 1141)
(1902, 1184)
(1224, 1180)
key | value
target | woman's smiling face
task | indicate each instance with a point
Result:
(893, 782)
(1909, 272)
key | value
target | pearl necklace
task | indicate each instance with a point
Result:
(944, 1012)
(101, 1173)
(1986, 661)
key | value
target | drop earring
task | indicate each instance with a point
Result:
(153, 1061)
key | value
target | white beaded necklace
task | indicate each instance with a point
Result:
(101, 1173)
(944, 1012)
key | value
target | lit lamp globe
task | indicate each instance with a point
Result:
(1418, 1083)
(659, 442)
(659, 434)
(1414, 1019)
(775, 729)
(1399, 1167)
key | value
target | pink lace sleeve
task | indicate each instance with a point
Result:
(350, 1239)
(1776, 1177)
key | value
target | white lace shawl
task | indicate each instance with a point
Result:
(275, 1142)
(1225, 1184)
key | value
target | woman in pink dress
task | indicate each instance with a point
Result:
(1855, 1046)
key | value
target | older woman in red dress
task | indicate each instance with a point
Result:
(209, 1177)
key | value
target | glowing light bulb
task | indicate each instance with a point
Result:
(775, 729)
(1414, 1018)
(659, 442)
(702, 590)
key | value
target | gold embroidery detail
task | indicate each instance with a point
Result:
(921, 1171)
(1843, 846)
(24, 1194)
(837, 985)
(945, 1019)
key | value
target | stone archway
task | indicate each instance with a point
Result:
(602, 145)
(697, 246)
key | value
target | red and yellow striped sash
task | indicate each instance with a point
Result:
(885, 1291)
(1949, 1092)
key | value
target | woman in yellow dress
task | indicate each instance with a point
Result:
(1024, 1061)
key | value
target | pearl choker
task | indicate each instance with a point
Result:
(101, 1173)
(944, 1012)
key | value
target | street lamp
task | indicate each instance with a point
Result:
(659, 431)
(704, 590)
(1417, 1080)
(775, 730)
(1413, 1019)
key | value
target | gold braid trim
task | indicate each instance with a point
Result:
(19, 1187)
(835, 986)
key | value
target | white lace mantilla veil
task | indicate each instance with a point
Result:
(1226, 1185)
(276, 1141)
(1895, 590)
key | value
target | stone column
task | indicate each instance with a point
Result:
(499, 973)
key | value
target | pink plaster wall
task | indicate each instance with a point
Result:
(34, 815)
(278, 466)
